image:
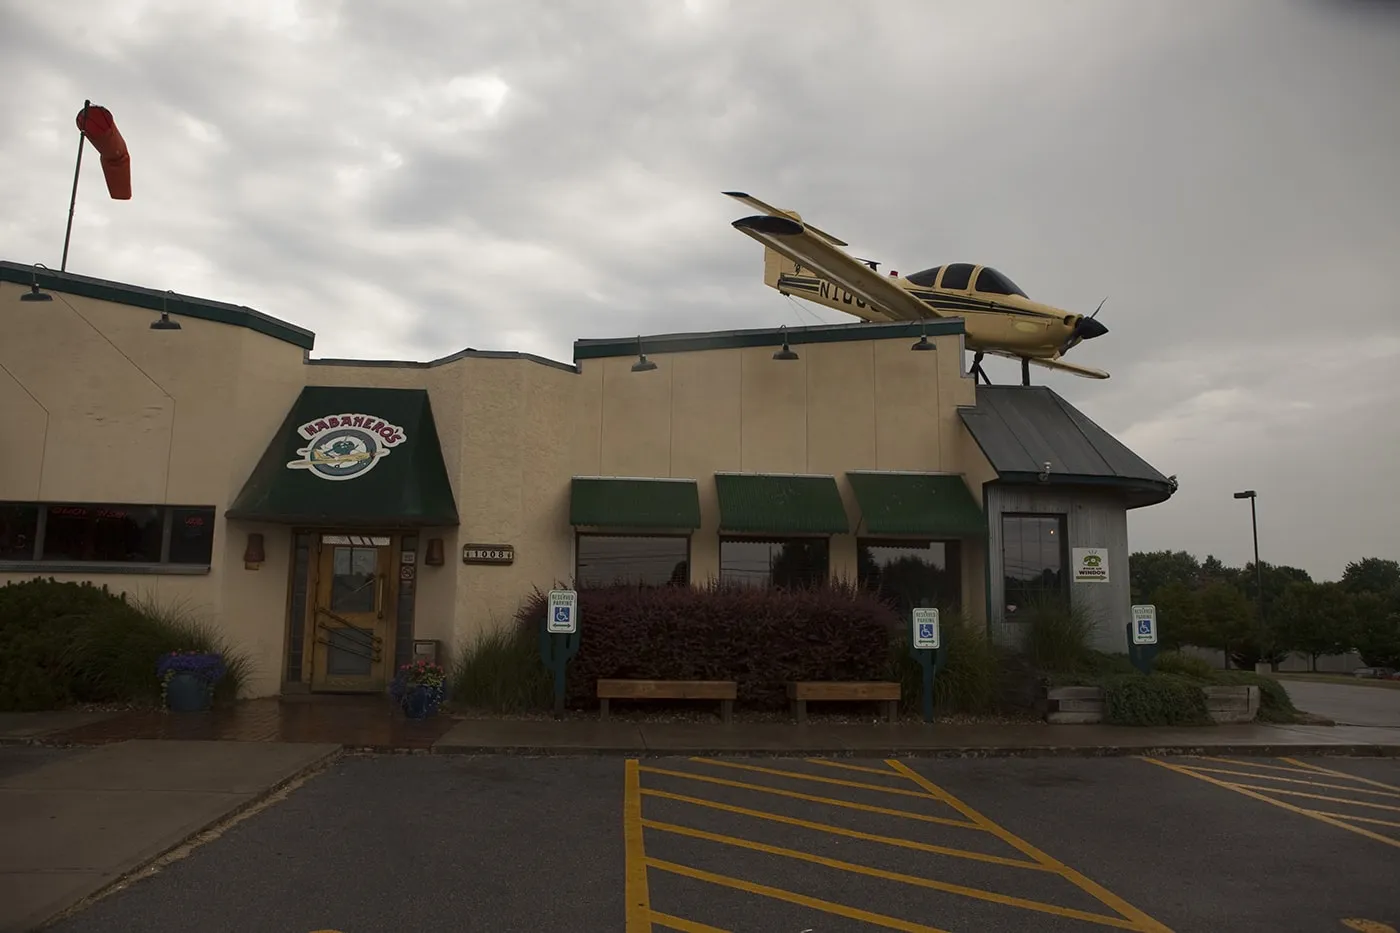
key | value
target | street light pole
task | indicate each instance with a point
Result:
(1251, 495)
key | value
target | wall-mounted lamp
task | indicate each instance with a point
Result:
(1045, 472)
(34, 294)
(643, 365)
(253, 554)
(165, 323)
(434, 556)
(786, 352)
(924, 343)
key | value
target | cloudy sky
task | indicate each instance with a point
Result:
(407, 179)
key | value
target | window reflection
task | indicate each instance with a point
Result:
(1033, 558)
(912, 573)
(773, 562)
(632, 560)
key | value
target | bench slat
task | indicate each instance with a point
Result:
(843, 690)
(668, 689)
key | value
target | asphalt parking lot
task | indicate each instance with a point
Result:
(438, 843)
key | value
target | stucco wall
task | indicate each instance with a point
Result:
(1093, 519)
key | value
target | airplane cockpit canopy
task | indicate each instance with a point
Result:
(959, 276)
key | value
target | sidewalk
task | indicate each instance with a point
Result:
(78, 819)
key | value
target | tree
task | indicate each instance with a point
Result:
(1228, 623)
(1149, 571)
(1371, 575)
(1377, 629)
(1314, 618)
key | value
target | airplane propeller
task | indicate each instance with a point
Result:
(1087, 328)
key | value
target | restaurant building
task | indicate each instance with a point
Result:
(333, 517)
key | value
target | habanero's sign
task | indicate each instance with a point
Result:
(341, 447)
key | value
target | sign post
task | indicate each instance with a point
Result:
(559, 639)
(926, 647)
(1142, 637)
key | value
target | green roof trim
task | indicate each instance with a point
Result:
(934, 505)
(157, 300)
(352, 457)
(598, 348)
(767, 503)
(634, 502)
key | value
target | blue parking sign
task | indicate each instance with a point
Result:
(925, 630)
(563, 612)
(1144, 626)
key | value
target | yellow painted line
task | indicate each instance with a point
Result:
(682, 924)
(802, 900)
(1313, 814)
(1341, 774)
(1270, 777)
(1248, 763)
(1301, 793)
(818, 778)
(1354, 819)
(638, 899)
(1139, 920)
(944, 886)
(851, 833)
(813, 798)
(1367, 926)
(886, 772)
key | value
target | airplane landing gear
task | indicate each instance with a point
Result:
(1025, 371)
(977, 370)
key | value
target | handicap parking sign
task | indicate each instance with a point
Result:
(925, 628)
(563, 612)
(1145, 625)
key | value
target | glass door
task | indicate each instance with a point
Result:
(353, 614)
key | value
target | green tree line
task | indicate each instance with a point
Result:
(1210, 605)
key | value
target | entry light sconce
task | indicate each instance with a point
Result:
(434, 556)
(165, 323)
(34, 294)
(786, 353)
(253, 554)
(924, 343)
(643, 365)
(1045, 472)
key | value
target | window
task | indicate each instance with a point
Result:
(925, 277)
(993, 282)
(906, 573)
(957, 275)
(773, 562)
(1033, 559)
(640, 560)
(113, 534)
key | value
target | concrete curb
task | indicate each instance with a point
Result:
(1028, 751)
(125, 874)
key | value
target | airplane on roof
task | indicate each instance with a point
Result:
(800, 259)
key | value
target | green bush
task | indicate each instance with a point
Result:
(1174, 662)
(1156, 699)
(969, 681)
(1059, 634)
(65, 643)
(501, 671)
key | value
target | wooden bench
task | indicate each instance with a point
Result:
(886, 692)
(723, 690)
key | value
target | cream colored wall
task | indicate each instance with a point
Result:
(858, 405)
(109, 410)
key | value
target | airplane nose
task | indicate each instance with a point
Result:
(1090, 327)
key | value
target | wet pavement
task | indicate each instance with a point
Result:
(692, 843)
(1347, 704)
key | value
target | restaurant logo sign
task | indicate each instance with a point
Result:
(345, 446)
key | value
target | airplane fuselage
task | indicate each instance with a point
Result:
(1017, 324)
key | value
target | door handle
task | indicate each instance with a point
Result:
(379, 596)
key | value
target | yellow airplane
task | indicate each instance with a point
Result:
(799, 259)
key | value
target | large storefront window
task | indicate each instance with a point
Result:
(632, 560)
(86, 533)
(773, 562)
(1033, 560)
(909, 573)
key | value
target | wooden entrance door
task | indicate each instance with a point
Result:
(353, 613)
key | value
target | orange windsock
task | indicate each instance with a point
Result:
(102, 132)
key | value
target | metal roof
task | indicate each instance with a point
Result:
(1020, 428)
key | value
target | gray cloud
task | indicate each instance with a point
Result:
(410, 179)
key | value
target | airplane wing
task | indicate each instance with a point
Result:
(1087, 372)
(772, 211)
(802, 245)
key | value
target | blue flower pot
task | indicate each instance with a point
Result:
(187, 693)
(418, 702)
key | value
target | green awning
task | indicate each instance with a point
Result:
(763, 503)
(936, 505)
(627, 502)
(352, 456)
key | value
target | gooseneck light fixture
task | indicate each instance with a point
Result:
(1251, 495)
(643, 365)
(165, 323)
(924, 343)
(786, 353)
(34, 294)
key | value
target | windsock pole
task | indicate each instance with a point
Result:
(73, 199)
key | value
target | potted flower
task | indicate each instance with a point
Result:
(419, 687)
(187, 679)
